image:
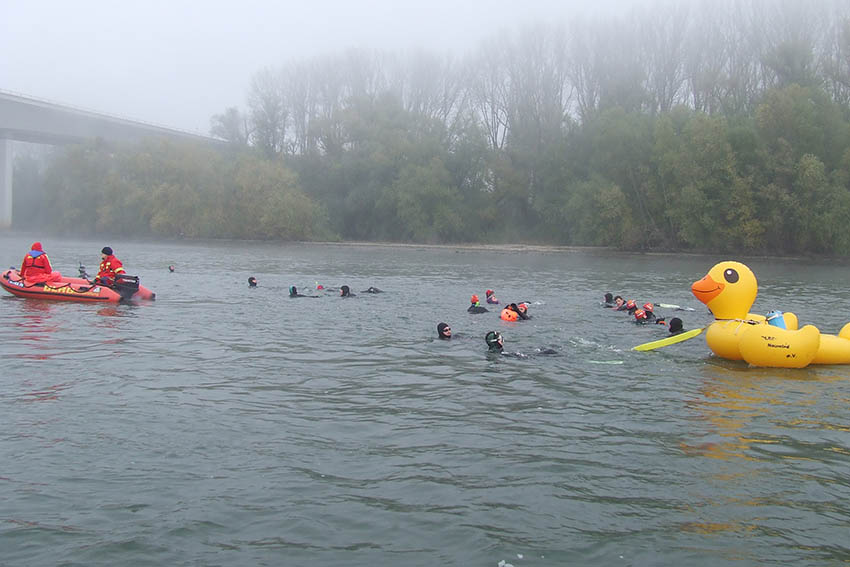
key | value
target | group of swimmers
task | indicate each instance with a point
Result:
(495, 342)
(511, 312)
(344, 291)
(644, 315)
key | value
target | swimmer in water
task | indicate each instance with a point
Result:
(252, 282)
(170, 268)
(494, 341)
(651, 317)
(675, 326)
(345, 291)
(444, 331)
(619, 303)
(475, 306)
(372, 290)
(642, 318)
(491, 298)
(514, 312)
(522, 309)
(608, 301)
(496, 344)
(293, 292)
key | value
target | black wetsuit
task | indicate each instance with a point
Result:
(293, 292)
(477, 309)
(676, 326)
(522, 314)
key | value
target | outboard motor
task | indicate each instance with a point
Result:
(126, 286)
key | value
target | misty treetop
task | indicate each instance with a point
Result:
(170, 189)
(706, 126)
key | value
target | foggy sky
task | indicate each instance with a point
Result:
(176, 63)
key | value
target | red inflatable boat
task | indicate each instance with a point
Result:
(126, 289)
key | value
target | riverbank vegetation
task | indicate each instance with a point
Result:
(706, 126)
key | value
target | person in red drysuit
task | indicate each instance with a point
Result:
(110, 266)
(36, 266)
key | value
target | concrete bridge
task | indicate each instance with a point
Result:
(28, 119)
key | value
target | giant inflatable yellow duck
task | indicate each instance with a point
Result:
(729, 290)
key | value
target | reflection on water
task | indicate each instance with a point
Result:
(49, 393)
(225, 426)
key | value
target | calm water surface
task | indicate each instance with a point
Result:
(222, 425)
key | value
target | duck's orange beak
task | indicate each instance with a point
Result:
(707, 289)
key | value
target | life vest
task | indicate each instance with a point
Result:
(109, 268)
(509, 315)
(33, 265)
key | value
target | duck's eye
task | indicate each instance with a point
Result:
(730, 275)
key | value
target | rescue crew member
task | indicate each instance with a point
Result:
(36, 266)
(491, 298)
(110, 267)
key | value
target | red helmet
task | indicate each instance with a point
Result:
(522, 307)
(640, 315)
(648, 307)
(630, 303)
(474, 298)
(489, 292)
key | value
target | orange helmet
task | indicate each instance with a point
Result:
(630, 303)
(640, 315)
(474, 298)
(648, 307)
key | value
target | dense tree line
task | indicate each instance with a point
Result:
(721, 125)
(162, 188)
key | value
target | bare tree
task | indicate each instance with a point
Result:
(662, 49)
(268, 112)
(584, 63)
(231, 125)
(488, 89)
(299, 93)
(834, 55)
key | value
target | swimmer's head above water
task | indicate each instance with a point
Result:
(494, 341)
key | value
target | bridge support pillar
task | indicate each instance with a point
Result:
(5, 183)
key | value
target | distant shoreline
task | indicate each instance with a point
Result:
(543, 248)
(470, 246)
(32, 234)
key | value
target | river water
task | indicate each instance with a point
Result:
(222, 425)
